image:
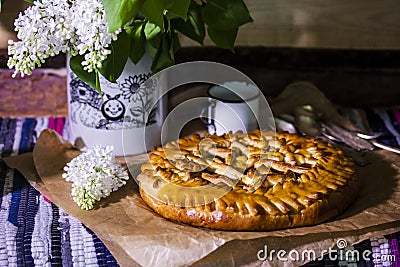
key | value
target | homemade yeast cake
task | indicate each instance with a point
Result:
(257, 181)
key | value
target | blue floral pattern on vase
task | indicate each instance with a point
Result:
(127, 104)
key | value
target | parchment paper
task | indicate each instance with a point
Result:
(136, 235)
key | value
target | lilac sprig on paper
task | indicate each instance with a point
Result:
(51, 27)
(94, 175)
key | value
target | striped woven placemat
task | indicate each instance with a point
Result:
(33, 231)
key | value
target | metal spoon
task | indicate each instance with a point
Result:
(285, 126)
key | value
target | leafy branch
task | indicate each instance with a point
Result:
(156, 30)
(152, 27)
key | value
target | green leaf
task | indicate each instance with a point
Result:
(153, 39)
(1, 4)
(180, 8)
(226, 14)
(224, 39)
(176, 44)
(193, 27)
(165, 56)
(138, 39)
(153, 10)
(77, 68)
(28, 1)
(115, 62)
(120, 12)
(151, 30)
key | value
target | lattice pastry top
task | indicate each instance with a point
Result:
(256, 181)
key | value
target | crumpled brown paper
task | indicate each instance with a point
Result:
(136, 235)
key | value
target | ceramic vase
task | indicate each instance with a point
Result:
(127, 115)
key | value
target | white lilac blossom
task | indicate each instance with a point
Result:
(94, 174)
(50, 27)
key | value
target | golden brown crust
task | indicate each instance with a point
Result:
(309, 182)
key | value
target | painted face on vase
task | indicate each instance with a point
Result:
(113, 109)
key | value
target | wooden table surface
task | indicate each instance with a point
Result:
(37, 95)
